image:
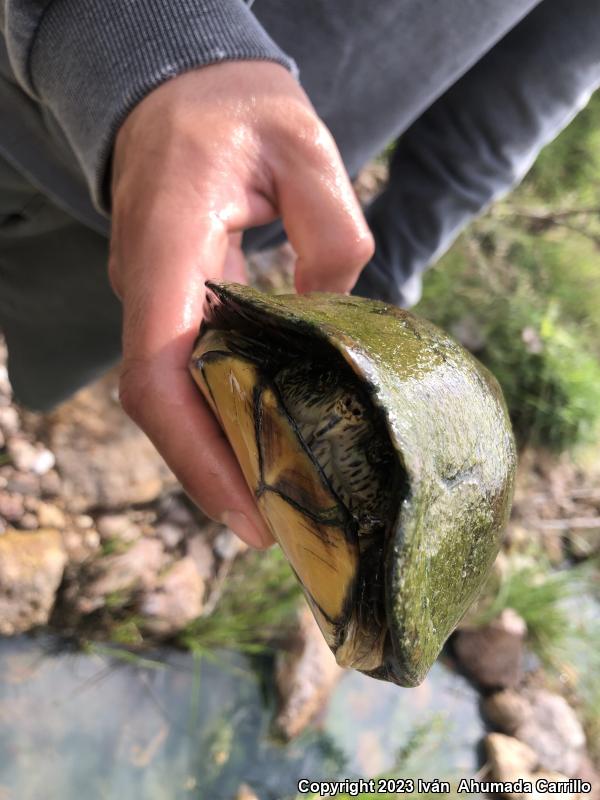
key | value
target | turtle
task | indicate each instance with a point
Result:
(380, 455)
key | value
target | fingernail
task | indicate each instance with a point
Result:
(241, 525)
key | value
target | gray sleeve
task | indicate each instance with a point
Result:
(478, 140)
(89, 62)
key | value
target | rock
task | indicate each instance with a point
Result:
(31, 569)
(306, 673)
(227, 545)
(176, 601)
(552, 544)
(506, 710)
(552, 777)
(545, 722)
(104, 460)
(493, 655)
(9, 420)
(552, 729)
(50, 484)
(200, 551)
(32, 504)
(136, 569)
(170, 534)
(11, 507)
(25, 483)
(91, 538)
(584, 542)
(175, 510)
(5, 387)
(28, 457)
(119, 527)
(509, 760)
(246, 793)
(29, 522)
(588, 772)
(50, 516)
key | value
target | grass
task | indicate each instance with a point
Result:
(258, 606)
(542, 597)
(409, 765)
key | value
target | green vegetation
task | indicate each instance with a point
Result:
(521, 288)
(543, 598)
(258, 605)
(408, 766)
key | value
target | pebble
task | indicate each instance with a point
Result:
(29, 522)
(50, 516)
(29, 458)
(170, 534)
(227, 545)
(176, 600)
(199, 549)
(50, 484)
(31, 569)
(91, 539)
(84, 521)
(23, 482)
(117, 526)
(31, 503)
(175, 511)
(9, 420)
(493, 654)
(11, 506)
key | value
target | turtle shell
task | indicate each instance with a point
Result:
(392, 554)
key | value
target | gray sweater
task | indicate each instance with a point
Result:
(88, 62)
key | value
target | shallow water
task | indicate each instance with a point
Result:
(76, 725)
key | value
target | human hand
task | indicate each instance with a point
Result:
(200, 159)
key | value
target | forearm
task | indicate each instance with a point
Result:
(479, 139)
(91, 61)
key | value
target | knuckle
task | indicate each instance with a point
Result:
(362, 250)
(305, 131)
(349, 257)
(129, 391)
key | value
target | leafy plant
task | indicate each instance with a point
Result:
(521, 288)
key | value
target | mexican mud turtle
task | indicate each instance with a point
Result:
(380, 455)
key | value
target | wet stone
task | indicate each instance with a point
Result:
(544, 721)
(493, 654)
(552, 729)
(306, 674)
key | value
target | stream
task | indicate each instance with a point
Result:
(98, 725)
